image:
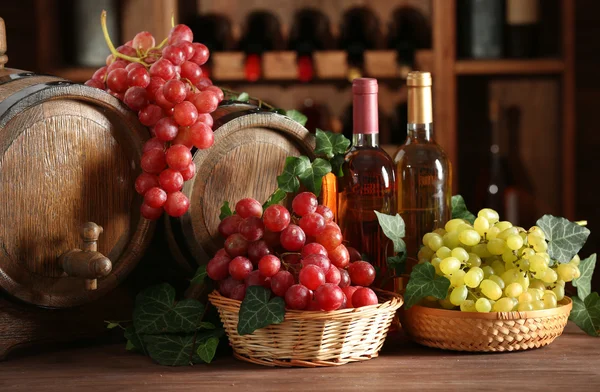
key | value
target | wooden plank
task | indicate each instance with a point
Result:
(568, 109)
(444, 82)
(508, 67)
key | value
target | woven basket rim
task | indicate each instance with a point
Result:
(565, 308)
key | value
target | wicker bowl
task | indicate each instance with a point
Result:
(311, 339)
(485, 332)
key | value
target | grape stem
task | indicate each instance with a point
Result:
(114, 51)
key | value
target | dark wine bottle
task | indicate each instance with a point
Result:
(262, 33)
(522, 26)
(480, 28)
(359, 31)
(216, 33)
(409, 30)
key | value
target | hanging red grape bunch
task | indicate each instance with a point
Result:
(164, 85)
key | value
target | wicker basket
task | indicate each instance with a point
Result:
(311, 339)
(485, 332)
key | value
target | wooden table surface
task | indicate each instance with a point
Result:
(571, 363)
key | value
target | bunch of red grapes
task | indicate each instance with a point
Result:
(166, 88)
(299, 257)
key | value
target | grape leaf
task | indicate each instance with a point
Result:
(336, 164)
(275, 198)
(330, 143)
(243, 97)
(586, 314)
(134, 340)
(297, 116)
(156, 311)
(459, 209)
(170, 350)
(312, 177)
(393, 228)
(423, 283)
(397, 263)
(206, 349)
(565, 238)
(225, 211)
(257, 311)
(288, 180)
(199, 276)
(584, 282)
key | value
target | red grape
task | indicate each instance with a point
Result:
(361, 273)
(143, 41)
(150, 213)
(153, 161)
(155, 197)
(344, 278)
(349, 291)
(163, 69)
(187, 47)
(325, 212)
(138, 77)
(132, 66)
(184, 138)
(189, 172)
(166, 129)
(271, 238)
(236, 245)
(204, 83)
(150, 115)
(330, 237)
(230, 225)
(238, 292)
(170, 180)
(156, 83)
(292, 258)
(200, 54)
(185, 113)
(206, 119)
(256, 279)
(136, 98)
(269, 265)
(217, 91)
(119, 96)
(180, 33)
(333, 275)
(201, 135)
(227, 285)
(276, 218)
(281, 282)
(312, 276)
(318, 260)
(205, 101)
(292, 238)
(174, 91)
(240, 267)
(174, 54)
(339, 256)
(117, 80)
(177, 204)
(256, 250)
(95, 84)
(100, 74)
(313, 249)
(252, 228)
(153, 143)
(248, 207)
(364, 296)
(313, 305)
(218, 267)
(144, 182)
(354, 254)
(191, 71)
(304, 203)
(329, 296)
(127, 50)
(312, 223)
(178, 157)
(297, 297)
(116, 65)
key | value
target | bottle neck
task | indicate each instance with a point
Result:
(365, 140)
(419, 132)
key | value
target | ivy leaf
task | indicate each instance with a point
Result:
(459, 209)
(288, 180)
(135, 341)
(171, 350)
(156, 311)
(397, 263)
(330, 144)
(257, 311)
(393, 228)
(312, 177)
(423, 283)
(199, 276)
(206, 325)
(584, 282)
(111, 325)
(129, 346)
(565, 238)
(336, 165)
(225, 211)
(586, 314)
(243, 97)
(297, 116)
(275, 198)
(206, 349)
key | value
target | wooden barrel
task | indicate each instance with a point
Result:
(69, 154)
(248, 154)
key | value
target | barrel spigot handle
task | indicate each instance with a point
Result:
(3, 56)
(87, 262)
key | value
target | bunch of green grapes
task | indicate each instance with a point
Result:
(494, 266)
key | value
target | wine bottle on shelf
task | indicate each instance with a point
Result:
(368, 183)
(409, 30)
(311, 31)
(522, 28)
(216, 32)
(359, 31)
(480, 28)
(423, 170)
(262, 33)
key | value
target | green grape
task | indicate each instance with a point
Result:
(522, 265)
(483, 305)
(453, 224)
(503, 305)
(560, 283)
(525, 297)
(435, 242)
(498, 281)
(537, 264)
(468, 306)
(446, 304)
(577, 273)
(426, 238)
(538, 232)
(510, 265)
(497, 246)
(514, 242)
(545, 256)
(550, 276)
(566, 272)
(510, 276)
(474, 260)
(523, 280)
(550, 292)
(513, 290)
(450, 265)
(509, 256)
(560, 292)
(492, 233)
(541, 247)
(443, 252)
(503, 225)
(425, 253)
(498, 267)
(549, 301)
(473, 277)
(487, 271)
(490, 289)
(538, 305)
(536, 294)
(436, 264)
(457, 278)
(460, 254)
(458, 295)
(537, 284)
(440, 231)
(469, 237)
(491, 215)
(575, 261)
(481, 251)
(451, 240)
(540, 274)
(527, 253)
(481, 225)
(504, 234)
(524, 306)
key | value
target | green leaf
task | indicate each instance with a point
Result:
(422, 283)
(257, 311)
(225, 211)
(586, 314)
(565, 238)
(206, 349)
(206, 325)
(459, 209)
(312, 177)
(297, 116)
(336, 164)
(112, 325)
(330, 143)
(199, 276)
(275, 198)
(288, 180)
(135, 341)
(393, 228)
(129, 346)
(243, 97)
(397, 263)
(584, 282)
(156, 311)
(171, 350)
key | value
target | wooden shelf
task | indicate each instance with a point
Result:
(509, 67)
